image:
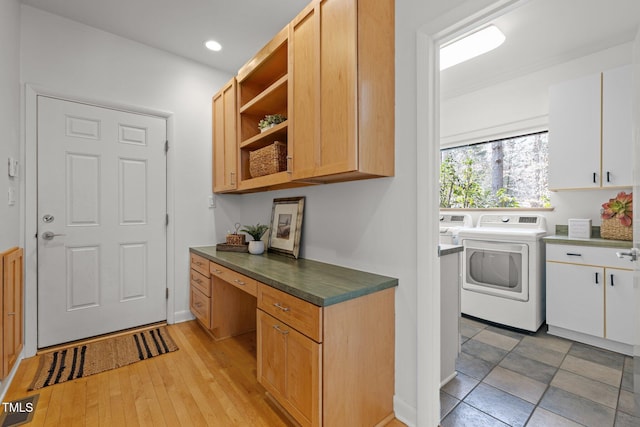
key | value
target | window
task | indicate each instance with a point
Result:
(505, 173)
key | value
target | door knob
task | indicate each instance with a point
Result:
(632, 254)
(49, 235)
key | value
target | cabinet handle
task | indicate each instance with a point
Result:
(239, 282)
(198, 304)
(282, 331)
(277, 305)
(573, 254)
(232, 178)
(198, 281)
(216, 271)
(612, 280)
(289, 161)
(594, 177)
(608, 178)
(597, 278)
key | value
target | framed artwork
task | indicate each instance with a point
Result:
(286, 226)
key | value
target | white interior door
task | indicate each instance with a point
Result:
(101, 220)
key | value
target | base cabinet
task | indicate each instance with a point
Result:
(289, 368)
(11, 272)
(590, 293)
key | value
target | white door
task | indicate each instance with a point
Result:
(101, 220)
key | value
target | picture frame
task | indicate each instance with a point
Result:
(286, 226)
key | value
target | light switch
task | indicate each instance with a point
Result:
(12, 196)
(13, 167)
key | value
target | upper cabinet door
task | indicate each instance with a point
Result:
(225, 145)
(617, 165)
(574, 134)
(304, 98)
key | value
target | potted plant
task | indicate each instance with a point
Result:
(256, 246)
(270, 120)
(617, 216)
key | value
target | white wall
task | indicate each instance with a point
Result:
(9, 120)
(65, 57)
(522, 105)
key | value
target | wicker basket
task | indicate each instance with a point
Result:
(268, 160)
(236, 239)
(612, 229)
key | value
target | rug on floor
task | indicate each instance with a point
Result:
(92, 358)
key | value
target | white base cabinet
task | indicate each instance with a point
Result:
(590, 296)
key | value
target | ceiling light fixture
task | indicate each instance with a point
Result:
(475, 44)
(213, 45)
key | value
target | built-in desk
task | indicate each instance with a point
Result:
(325, 334)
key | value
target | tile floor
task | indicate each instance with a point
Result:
(507, 378)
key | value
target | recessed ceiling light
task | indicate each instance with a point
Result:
(470, 46)
(213, 45)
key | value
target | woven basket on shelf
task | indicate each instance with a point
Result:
(268, 160)
(236, 239)
(612, 229)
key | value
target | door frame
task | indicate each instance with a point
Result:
(30, 205)
(428, 39)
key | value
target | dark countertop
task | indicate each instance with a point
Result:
(444, 249)
(594, 242)
(316, 282)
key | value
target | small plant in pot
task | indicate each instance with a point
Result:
(256, 246)
(270, 120)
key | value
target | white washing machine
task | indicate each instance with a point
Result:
(450, 226)
(503, 278)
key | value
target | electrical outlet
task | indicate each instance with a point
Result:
(11, 196)
(13, 167)
(212, 201)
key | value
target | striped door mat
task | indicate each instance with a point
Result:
(92, 358)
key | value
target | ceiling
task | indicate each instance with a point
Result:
(539, 33)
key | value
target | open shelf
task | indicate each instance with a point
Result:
(276, 133)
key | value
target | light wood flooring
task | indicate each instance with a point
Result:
(205, 383)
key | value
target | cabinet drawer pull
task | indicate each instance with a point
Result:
(282, 331)
(198, 281)
(573, 254)
(277, 305)
(216, 271)
(597, 278)
(198, 304)
(612, 280)
(239, 282)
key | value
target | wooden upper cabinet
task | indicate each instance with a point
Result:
(225, 143)
(343, 99)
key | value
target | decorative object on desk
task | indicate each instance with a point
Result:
(256, 246)
(270, 120)
(235, 238)
(579, 228)
(286, 226)
(617, 216)
(268, 160)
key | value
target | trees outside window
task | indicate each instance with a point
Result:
(505, 173)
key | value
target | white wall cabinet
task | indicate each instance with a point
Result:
(590, 296)
(590, 131)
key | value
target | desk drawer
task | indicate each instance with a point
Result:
(297, 313)
(201, 283)
(200, 307)
(200, 264)
(238, 280)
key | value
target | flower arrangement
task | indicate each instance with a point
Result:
(255, 231)
(271, 120)
(620, 208)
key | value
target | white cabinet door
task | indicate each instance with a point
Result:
(620, 302)
(575, 298)
(617, 165)
(574, 133)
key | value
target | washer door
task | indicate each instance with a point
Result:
(497, 268)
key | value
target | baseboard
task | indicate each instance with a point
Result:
(405, 412)
(4, 386)
(182, 316)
